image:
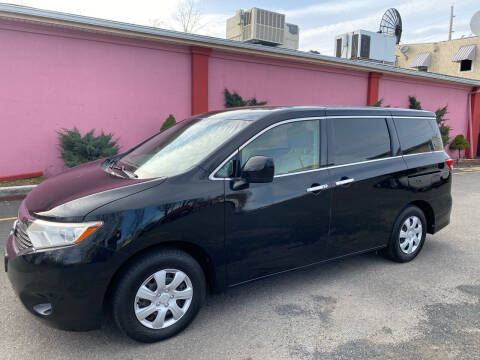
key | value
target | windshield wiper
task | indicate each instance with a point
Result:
(113, 165)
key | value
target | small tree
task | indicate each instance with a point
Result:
(235, 100)
(413, 103)
(459, 143)
(444, 129)
(379, 103)
(169, 121)
(77, 149)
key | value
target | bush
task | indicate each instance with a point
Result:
(77, 149)
(444, 129)
(413, 103)
(235, 100)
(169, 121)
(459, 143)
(379, 103)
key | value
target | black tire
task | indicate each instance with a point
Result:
(394, 250)
(123, 299)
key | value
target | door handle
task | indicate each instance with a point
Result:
(317, 188)
(345, 181)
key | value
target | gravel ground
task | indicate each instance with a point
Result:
(363, 307)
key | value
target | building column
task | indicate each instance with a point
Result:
(199, 85)
(474, 126)
(373, 87)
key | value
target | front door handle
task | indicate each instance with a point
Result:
(317, 188)
(344, 181)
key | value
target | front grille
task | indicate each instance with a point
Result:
(22, 241)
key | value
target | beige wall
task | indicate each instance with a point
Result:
(442, 55)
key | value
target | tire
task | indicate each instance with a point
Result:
(407, 239)
(161, 266)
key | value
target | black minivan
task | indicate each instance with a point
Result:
(221, 199)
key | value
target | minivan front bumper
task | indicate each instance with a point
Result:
(63, 286)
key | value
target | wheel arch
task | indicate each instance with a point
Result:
(200, 255)
(429, 213)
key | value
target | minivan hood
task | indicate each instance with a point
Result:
(76, 192)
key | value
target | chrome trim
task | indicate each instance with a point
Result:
(300, 172)
(364, 162)
(317, 188)
(343, 182)
(414, 117)
(212, 174)
(423, 153)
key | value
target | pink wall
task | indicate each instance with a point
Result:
(282, 82)
(53, 78)
(432, 96)
(49, 82)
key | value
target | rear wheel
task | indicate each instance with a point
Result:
(408, 235)
(158, 295)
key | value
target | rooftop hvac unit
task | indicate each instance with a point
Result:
(258, 26)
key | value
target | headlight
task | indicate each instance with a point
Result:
(47, 234)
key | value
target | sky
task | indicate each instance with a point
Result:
(319, 21)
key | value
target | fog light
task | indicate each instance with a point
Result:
(43, 309)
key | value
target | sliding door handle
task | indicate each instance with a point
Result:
(344, 181)
(317, 188)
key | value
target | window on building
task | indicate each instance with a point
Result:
(422, 68)
(339, 48)
(357, 139)
(466, 65)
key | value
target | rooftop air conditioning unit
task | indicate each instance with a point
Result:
(257, 26)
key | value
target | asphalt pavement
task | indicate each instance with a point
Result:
(362, 307)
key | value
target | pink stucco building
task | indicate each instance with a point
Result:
(60, 71)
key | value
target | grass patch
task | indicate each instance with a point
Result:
(31, 181)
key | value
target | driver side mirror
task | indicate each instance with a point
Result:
(257, 169)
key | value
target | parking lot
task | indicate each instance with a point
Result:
(363, 307)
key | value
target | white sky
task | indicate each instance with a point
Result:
(319, 21)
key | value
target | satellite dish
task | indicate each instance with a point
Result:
(404, 49)
(475, 23)
(391, 24)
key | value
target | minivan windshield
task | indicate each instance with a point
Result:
(181, 146)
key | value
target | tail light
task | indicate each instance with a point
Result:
(449, 163)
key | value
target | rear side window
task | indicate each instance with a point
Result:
(354, 140)
(418, 135)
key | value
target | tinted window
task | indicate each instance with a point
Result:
(358, 139)
(294, 147)
(418, 135)
(226, 170)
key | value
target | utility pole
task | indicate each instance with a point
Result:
(450, 29)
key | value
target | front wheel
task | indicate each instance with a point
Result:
(158, 295)
(408, 235)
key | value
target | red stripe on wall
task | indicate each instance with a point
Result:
(373, 88)
(200, 57)
(475, 116)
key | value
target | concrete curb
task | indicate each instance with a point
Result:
(15, 190)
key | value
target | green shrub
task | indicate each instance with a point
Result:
(235, 100)
(444, 129)
(379, 103)
(459, 143)
(77, 149)
(169, 121)
(413, 103)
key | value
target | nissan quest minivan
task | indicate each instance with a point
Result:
(221, 199)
